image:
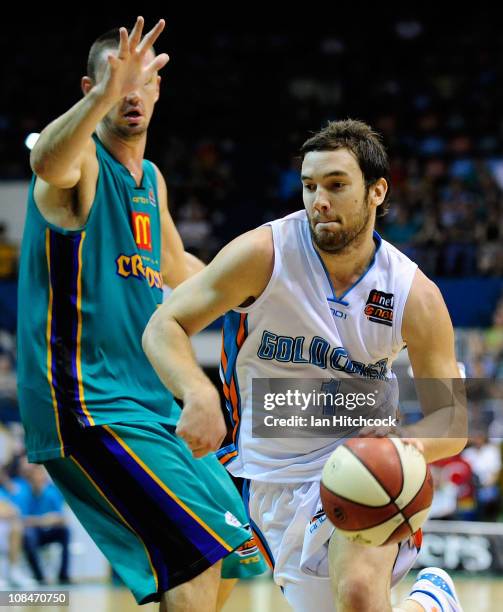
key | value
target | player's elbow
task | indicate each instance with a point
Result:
(51, 172)
(149, 333)
(156, 330)
(38, 163)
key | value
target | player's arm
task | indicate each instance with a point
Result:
(237, 275)
(428, 332)
(176, 264)
(64, 157)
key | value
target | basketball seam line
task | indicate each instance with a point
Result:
(393, 499)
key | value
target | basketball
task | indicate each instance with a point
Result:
(376, 491)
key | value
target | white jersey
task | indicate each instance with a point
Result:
(298, 328)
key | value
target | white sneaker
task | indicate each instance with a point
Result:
(437, 586)
(17, 578)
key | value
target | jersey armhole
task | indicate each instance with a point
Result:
(272, 281)
(56, 228)
(400, 308)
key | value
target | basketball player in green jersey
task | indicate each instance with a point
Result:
(98, 244)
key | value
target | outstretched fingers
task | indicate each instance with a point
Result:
(150, 38)
(136, 32)
(123, 44)
(159, 62)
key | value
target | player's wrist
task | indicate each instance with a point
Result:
(204, 391)
(103, 98)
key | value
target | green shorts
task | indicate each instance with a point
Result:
(160, 516)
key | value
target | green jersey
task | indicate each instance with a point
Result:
(85, 297)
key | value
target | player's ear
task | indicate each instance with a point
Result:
(86, 84)
(378, 191)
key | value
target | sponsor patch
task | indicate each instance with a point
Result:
(230, 519)
(379, 307)
(141, 230)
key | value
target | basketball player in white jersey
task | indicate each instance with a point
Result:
(297, 293)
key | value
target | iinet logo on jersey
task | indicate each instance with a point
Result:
(379, 307)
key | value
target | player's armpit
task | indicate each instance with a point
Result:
(69, 207)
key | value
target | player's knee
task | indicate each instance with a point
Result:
(198, 594)
(352, 594)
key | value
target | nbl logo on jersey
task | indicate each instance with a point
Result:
(379, 307)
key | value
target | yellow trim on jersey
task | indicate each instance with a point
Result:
(167, 490)
(79, 334)
(156, 579)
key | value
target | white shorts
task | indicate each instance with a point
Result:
(289, 521)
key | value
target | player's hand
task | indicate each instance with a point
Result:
(391, 432)
(202, 424)
(126, 70)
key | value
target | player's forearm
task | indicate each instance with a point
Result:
(169, 350)
(62, 142)
(442, 433)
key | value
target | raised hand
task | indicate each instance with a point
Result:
(128, 70)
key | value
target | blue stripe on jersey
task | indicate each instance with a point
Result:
(235, 332)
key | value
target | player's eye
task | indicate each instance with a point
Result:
(309, 187)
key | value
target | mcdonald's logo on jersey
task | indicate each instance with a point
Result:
(141, 230)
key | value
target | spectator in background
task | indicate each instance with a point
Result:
(11, 543)
(11, 540)
(8, 255)
(459, 473)
(444, 502)
(485, 461)
(41, 507)
(11, 526)
(195, 229)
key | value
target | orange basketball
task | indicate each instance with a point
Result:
(376, 490)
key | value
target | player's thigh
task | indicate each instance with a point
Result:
(357, 569)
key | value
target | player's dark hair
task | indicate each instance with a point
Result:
(363, 142)
(108, 40)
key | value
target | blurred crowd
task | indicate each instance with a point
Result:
(469, 486)
(31, 518)
(236, 105)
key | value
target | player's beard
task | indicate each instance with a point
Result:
(124, 132)
(336, 241)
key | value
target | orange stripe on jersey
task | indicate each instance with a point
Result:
(228, 456)
(223, 356)
(241, 331)
(262, 549)
(235, 405)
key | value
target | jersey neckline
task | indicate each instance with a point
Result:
(340, 299)
(129, 177)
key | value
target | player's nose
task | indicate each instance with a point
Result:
(321, 201)
(133, 97)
